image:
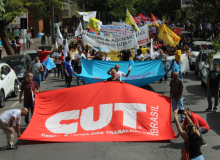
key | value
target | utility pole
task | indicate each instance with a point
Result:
(52, 23)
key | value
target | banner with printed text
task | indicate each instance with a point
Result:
(106, 112)
(117, 43)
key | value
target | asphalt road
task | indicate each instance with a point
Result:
(194, 98)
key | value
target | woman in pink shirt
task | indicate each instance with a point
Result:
(19, 46)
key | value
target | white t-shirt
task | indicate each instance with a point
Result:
(7, 116)
(58, 57)
(139, 57)
(120, 73)
(80, 56)
(28, 36)
(147, 56)
(106, 59)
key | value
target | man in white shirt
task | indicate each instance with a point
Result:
(119, 73)
(77, 59)
(106, 58)
(6, 123)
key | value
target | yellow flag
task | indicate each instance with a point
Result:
(130, 21)
(95, 24)
(168, 36)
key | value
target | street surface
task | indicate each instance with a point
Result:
(194, 98)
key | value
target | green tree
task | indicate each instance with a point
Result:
(13, 8)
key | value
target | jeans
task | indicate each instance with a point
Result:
(43, 73)
(211, 91)
(38, 80)
(68, 81)
(180, 72)
(165, 76)
(198, 158)
(59, 70)
(28, 44)
(55, 71)
(202, 130)
(180, 104)
(29, 106)
(79, 70)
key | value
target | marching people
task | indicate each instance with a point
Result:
(19, 45)
(118, 73)
(106, 57)
(113, 76)
(43, 57)
(58, 63)
(28, 88)
(139, 56)
(176, 90)
(213, 88)
(163, 57)
(36, 68)
(79, 68)
(178, 60)
(68, 71)
(6, 123)
(147, 56)
(28, 38)
(192, 138)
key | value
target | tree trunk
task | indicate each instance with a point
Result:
(4, 38)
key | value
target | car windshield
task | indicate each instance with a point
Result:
(14, 63)
(197, 47)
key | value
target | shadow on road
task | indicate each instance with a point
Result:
(148, 87)
(173, 146)
(216, 147)
(213, 120)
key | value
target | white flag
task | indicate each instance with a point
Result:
(87, 15)
(135, 44)
(56, 46)
(66, 49)
(152, 50)
(79, 30)
(60, 37)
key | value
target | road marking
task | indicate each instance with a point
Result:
(14, 104)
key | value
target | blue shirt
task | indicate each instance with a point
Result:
(0, 44)
(68, 67)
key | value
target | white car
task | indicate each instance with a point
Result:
(8, 83)
(196, 49)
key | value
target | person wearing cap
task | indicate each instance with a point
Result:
(156, 53)
(159, 46)
(163, 57)
(78, 60)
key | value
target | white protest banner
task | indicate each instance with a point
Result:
(152, 29)
(113, 30)
(88, 15)
(128, 29)
(117, 43)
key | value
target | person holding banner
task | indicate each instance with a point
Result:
(113, 76)
(147, 56)
(79, 68)
(43, 57)
(118, 73)
(163, 57)
(68, 71)
(106, 58)
(139, 56)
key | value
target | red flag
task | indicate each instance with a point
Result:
(135, 20)
(141, 17)
(152, 18)
(104, 111)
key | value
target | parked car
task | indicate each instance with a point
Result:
(200, 61)
(196, 49)
(208, 67)
(19, 63)
(8, 83)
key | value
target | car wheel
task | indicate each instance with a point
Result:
(2, 99)
(199, 75)
(196, 72)
(15, 92)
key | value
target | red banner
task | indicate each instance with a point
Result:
(105, 111)
(177, 31)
